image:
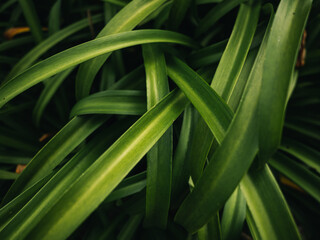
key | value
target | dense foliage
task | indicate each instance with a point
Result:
(159, 119)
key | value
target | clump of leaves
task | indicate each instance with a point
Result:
(181, 119)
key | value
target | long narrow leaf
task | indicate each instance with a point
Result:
(282, 50)
(80, 53)
(298, 173)
(129, 102)
(54, 152)
(198, 91)
(159, 158)
(125, 20)
(39, 205)
(234, 214)
(109, 169)
(34, 54)
(31, 16)
(266, 203)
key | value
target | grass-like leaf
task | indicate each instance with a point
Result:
(81, 53)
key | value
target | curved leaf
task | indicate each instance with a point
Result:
(125, 20)
(298, 173)
(83, 52)
(282, 50)
(266, 204)
(234, 214)
(32, 56)
(212, 108)
(109, 169)
(50, 88)
(129, 102)
(159, 158)
(54, 152)
(32, 213)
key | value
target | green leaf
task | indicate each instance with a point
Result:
(280, 59)
(215, 14)
(127, 102)
(109, 169)
(208, 1)
(54, 18)
(50, 88)
(125, 20)
(32, 213)
(12, 159)
(83, 52)
(177, 13)
(301, 151)
(32, 18)
(234, 214)
(129, 229)
(33, 55)
(17, 142)
(15, 43)
(232, 158)
(298, 173)
(8, 211)
(267, 205)
(8, 175)
(212, 108)
(54, 152)
(132, 80)
(128, 187)
(159, 158)
(180, 166)
(208, 55)
(238, 46)
(211, 230)
(225, 81)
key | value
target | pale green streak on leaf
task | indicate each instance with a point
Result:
(267, 204)
(281, 53)
(159, 158)
(83, 52)
(109, 169)
(34, 54)
(54, 152)
(125, 20)
(125, 102)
